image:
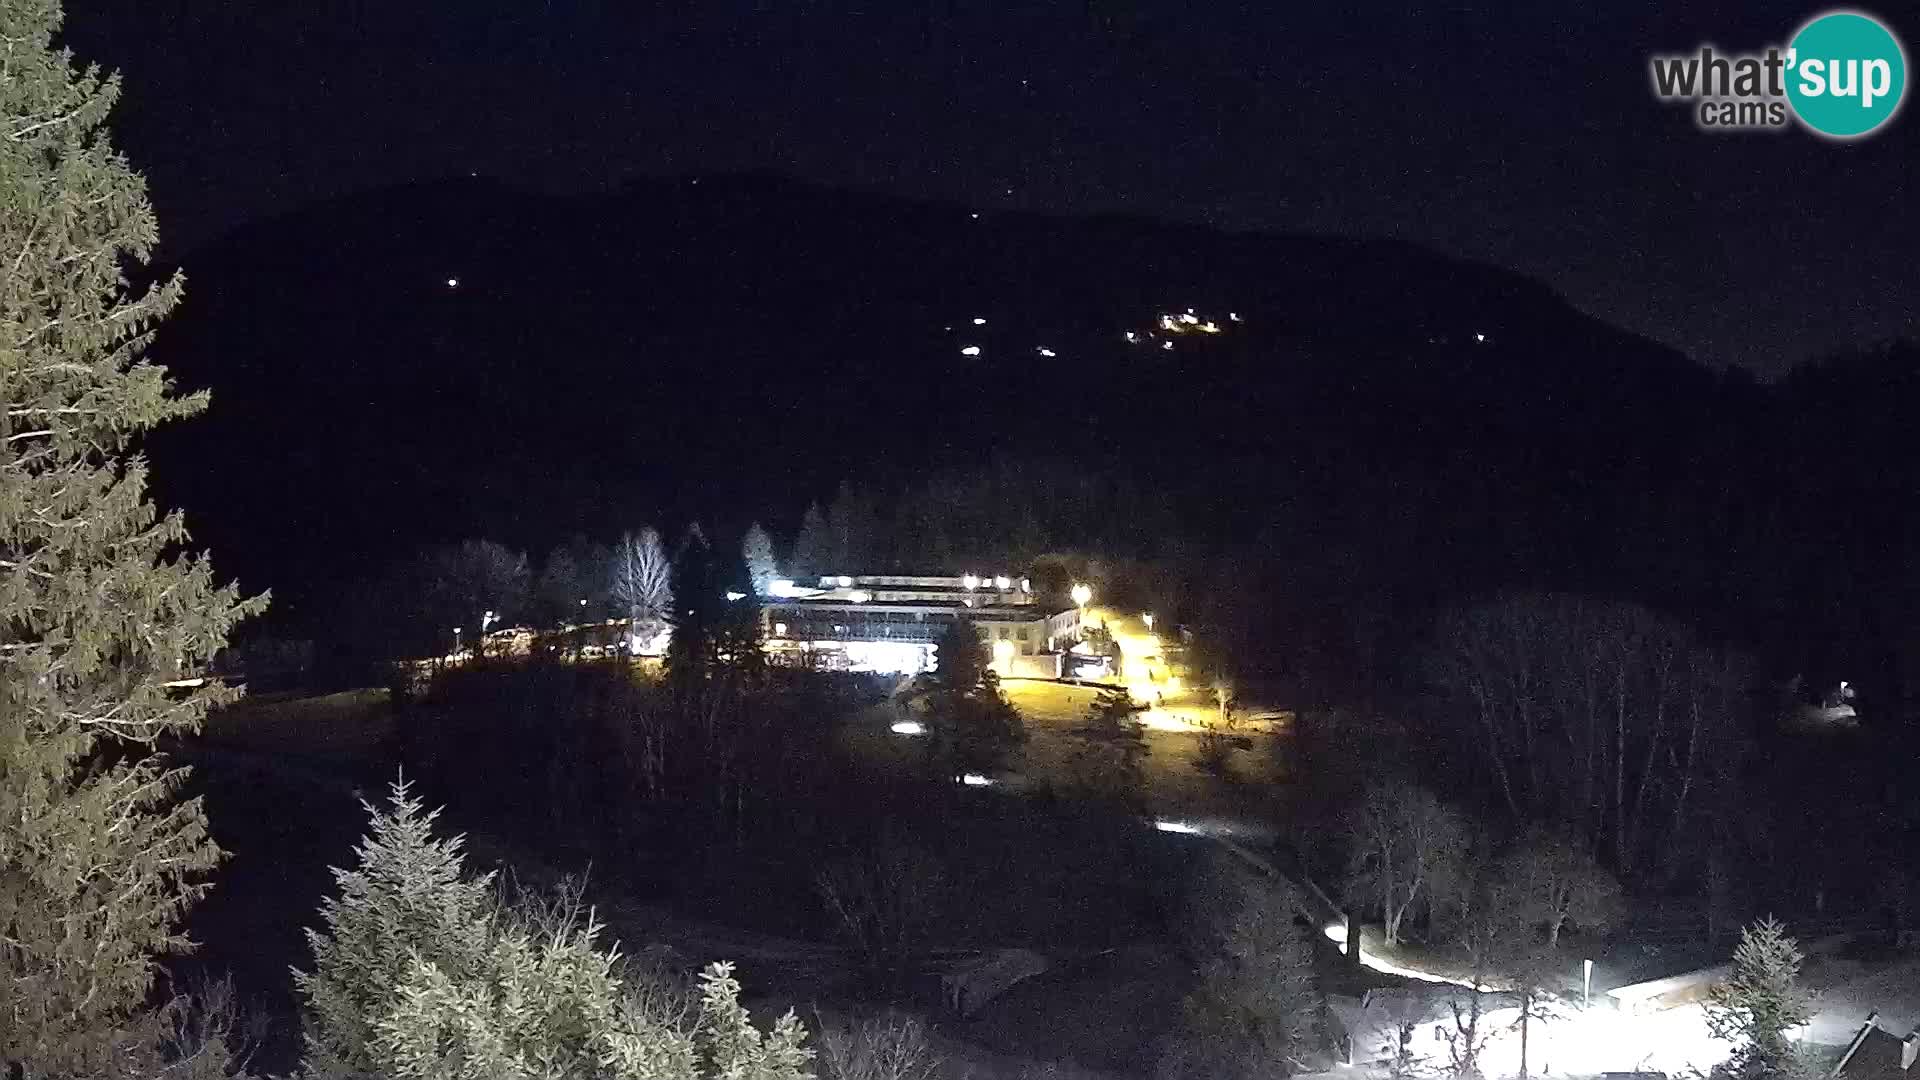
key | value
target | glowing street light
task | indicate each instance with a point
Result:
(1082, 593)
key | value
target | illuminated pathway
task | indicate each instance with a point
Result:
(1569, 1041)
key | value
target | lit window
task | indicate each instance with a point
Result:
(779, 629)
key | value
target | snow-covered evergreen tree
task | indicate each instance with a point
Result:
(102, 618)
(813, 547)
(757, 550)
(1761, 1002)
(420, 974)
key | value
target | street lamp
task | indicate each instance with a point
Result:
(456, 641)
(1082, 593)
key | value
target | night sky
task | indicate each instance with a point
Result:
(1524, 135)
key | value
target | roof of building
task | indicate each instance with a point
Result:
(1030, 612)
(1879, 1054)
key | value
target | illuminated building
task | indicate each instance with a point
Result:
(891, 622)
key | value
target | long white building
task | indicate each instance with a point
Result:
(891, 622)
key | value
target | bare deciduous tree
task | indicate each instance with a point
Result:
(1555, 883)
(885, 901)
(1600, 715)
(1405, 847)
(643, 582)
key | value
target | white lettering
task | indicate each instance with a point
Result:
(1813, 77)
(1879, 80)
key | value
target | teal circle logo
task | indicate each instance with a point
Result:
(1846, 74)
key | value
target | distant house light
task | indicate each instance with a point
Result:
(731, 595)
(1233, 316)
(453, 283)
(974, 779)
(1044, 351)
(909, 727)
(1166, 345)
(1480, 337)
(979, 321)
(971, 350)
(970, 581)
(1003, 583)
(976, 217)
(779, 629)
(845, 581)
(859, 597)
(781, 587)
(1133, 337)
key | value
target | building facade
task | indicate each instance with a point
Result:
(891, 622)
